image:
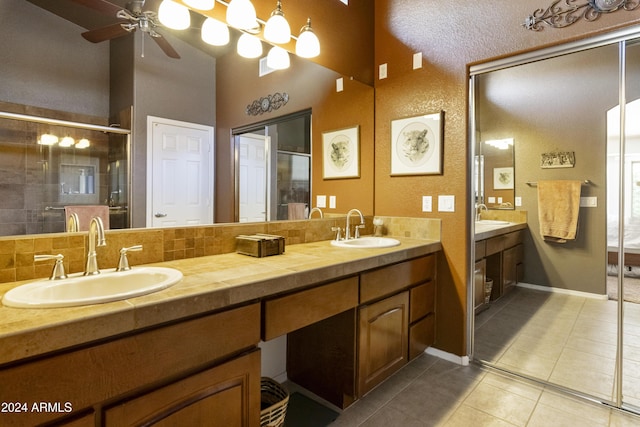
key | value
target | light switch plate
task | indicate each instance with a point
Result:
(417, 60)
(589, 202)
(518, 201)
(446, 203)
(332, 202)
(491, 199)
(427, 204)
(382, 71)
(321, 201)
(339, 84)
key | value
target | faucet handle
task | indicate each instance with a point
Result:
(58, 269)
(123, 263)
(357, 232)
(338, 231)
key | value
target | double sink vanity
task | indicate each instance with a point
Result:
(353, 317)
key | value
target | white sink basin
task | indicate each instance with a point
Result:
(107, 286)
(491, 222)
(367, 242)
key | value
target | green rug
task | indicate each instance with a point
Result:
(305, 412)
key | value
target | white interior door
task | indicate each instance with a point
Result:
(253, 174)
(179, 173)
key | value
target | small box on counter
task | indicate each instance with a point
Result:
(260, 245)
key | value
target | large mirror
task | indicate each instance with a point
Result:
(130, 78)
(495, 176)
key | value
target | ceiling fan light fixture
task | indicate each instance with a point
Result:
(200, 4)
(308, 45)
(249, 46)
(214, 32)
(241, 14)
(278, 58)
(173, 15)
(277, 29)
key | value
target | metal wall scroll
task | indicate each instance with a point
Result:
(266, 104)
(571, 11)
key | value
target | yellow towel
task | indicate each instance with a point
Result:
(558, 209)
(86, 212)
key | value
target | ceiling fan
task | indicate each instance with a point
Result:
(134, 17)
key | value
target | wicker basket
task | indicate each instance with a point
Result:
(274, 399)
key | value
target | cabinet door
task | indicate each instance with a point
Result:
(227, 395)
(510, 259)
(383, 340)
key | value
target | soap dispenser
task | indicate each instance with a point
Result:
(82, 183)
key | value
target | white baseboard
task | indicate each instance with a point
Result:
(460, 360)
(563, 291)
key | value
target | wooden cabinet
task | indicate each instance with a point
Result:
(504, 264)
(226, 395)
(343, 357)
(383, 340)
(130, 366)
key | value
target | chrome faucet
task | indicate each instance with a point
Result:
(96, 230)
(73, 223)
(479, 210)
(347, 232)
(315, 210)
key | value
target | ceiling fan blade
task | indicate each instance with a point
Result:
(101, 6)
(105, 33)
(166, 47)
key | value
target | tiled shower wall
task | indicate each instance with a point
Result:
(16, 253)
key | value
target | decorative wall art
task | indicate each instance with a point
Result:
(267, 104)
(416, 145)
(565, 159)
(562, 13)
(341, 153)
(503, 178)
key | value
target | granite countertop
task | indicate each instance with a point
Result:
(209, 283)
(483, 231)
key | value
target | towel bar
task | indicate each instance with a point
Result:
(535, 184)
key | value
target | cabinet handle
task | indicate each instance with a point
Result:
(160, 215)
(386, 313)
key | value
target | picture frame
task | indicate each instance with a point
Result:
(341, 153)
(503, 178)
(416, 145)
(558, 159)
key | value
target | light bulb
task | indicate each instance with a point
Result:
(308, 45)
(173, 15)
(277, 28)
(201, 4)
(241, 14)
(83, 143)
(278, 58)
(48, 139)
(214, 32)
(67, 141)
(249, 46)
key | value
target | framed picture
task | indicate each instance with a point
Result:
(564, 159)
(341, 153)
(416, 145)
(503, 178)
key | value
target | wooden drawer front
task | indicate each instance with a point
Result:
(422, 300)
(513, 239)
(480, 249)
(494, 245)
(388, 280)
(105, 371)
(294, 311)
(226, 395)
(421, 335)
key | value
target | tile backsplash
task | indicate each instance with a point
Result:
(167, 244)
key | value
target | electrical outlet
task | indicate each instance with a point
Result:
(332, 202)
(589, 202)
(417, 60)
(518, 201)
(382, 71)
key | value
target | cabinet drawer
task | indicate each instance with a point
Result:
(294, 311)
(421, 335)
(480, 250)
(512, 239)
(422, 300)
(494, 245)
(389, 280)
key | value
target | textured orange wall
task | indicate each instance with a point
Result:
(450, 37)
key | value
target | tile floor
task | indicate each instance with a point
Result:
(557, 337)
